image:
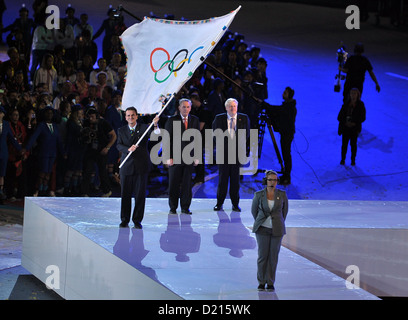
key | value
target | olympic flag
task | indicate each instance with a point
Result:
(162, 55)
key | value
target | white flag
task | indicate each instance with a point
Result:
(163, 54)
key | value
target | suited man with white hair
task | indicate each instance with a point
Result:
(231, 123)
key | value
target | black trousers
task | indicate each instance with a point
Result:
(228, 173)
(91, 158)
(349, 137)
(180, 186)
(133, 186)
(286, 147)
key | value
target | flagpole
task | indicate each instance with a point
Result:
(147, 130)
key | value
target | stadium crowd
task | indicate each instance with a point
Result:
(60, 105)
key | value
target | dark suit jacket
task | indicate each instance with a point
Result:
(260, 211)
(48, 143)
(176, 122)
(139, 161)
(220, 122)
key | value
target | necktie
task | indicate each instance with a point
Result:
(51, 128)
(185, 123)
(132, 132)
(232, 126)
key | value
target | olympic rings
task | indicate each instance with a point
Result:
(170, 62)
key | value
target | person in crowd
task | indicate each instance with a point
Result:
(26, 26)
(117, 119)
(269, 208)
(283, 119)
(49, 143)
(180, 169)
(47, 74)
(81, 85)
(99, 138)
(134, 172)
(230, 124)
(14, 180)
(70, 18)
(15, 62)
(352, 114)
(43, 43)
(107, 27)
(216, 98)
(102, 67)
(74, 149)
(6, 135)
(198, 109)
(65, 36)
(82, 26)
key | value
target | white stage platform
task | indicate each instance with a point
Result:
(212, 256)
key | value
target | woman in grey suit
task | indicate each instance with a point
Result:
(269, 208)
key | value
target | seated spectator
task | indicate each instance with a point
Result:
(81, 85)
(16, 63)
(87, 67)
(68, 73)
(102, 66)
(47, 74)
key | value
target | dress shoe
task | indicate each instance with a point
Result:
(138, 225)
(236, 208)
(186, 211)
(123, 225)
(218, 207)
(353, 162)
(270, 287)
(261, 287)
(342, 162)
(172, 211)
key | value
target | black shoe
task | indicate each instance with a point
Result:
(353, 162)
(172, 211)
(342, 162)
(123, 225)
(138, 225)
(261, 287)
(186, 211)
(270, 287)
(284, 180)
(236, 208)
(218, 207)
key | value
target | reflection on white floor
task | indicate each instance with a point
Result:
(210, 255)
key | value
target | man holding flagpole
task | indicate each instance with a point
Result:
(134, 173)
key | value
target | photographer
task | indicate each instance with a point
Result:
(283, 119)
(99, 137)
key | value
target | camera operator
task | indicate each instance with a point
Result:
(355, 68)
(283, 119)
(99, 137)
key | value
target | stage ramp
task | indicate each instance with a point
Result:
(75, 246)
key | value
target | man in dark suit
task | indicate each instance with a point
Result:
(232, 124)
(134, 172)
(181, 168)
